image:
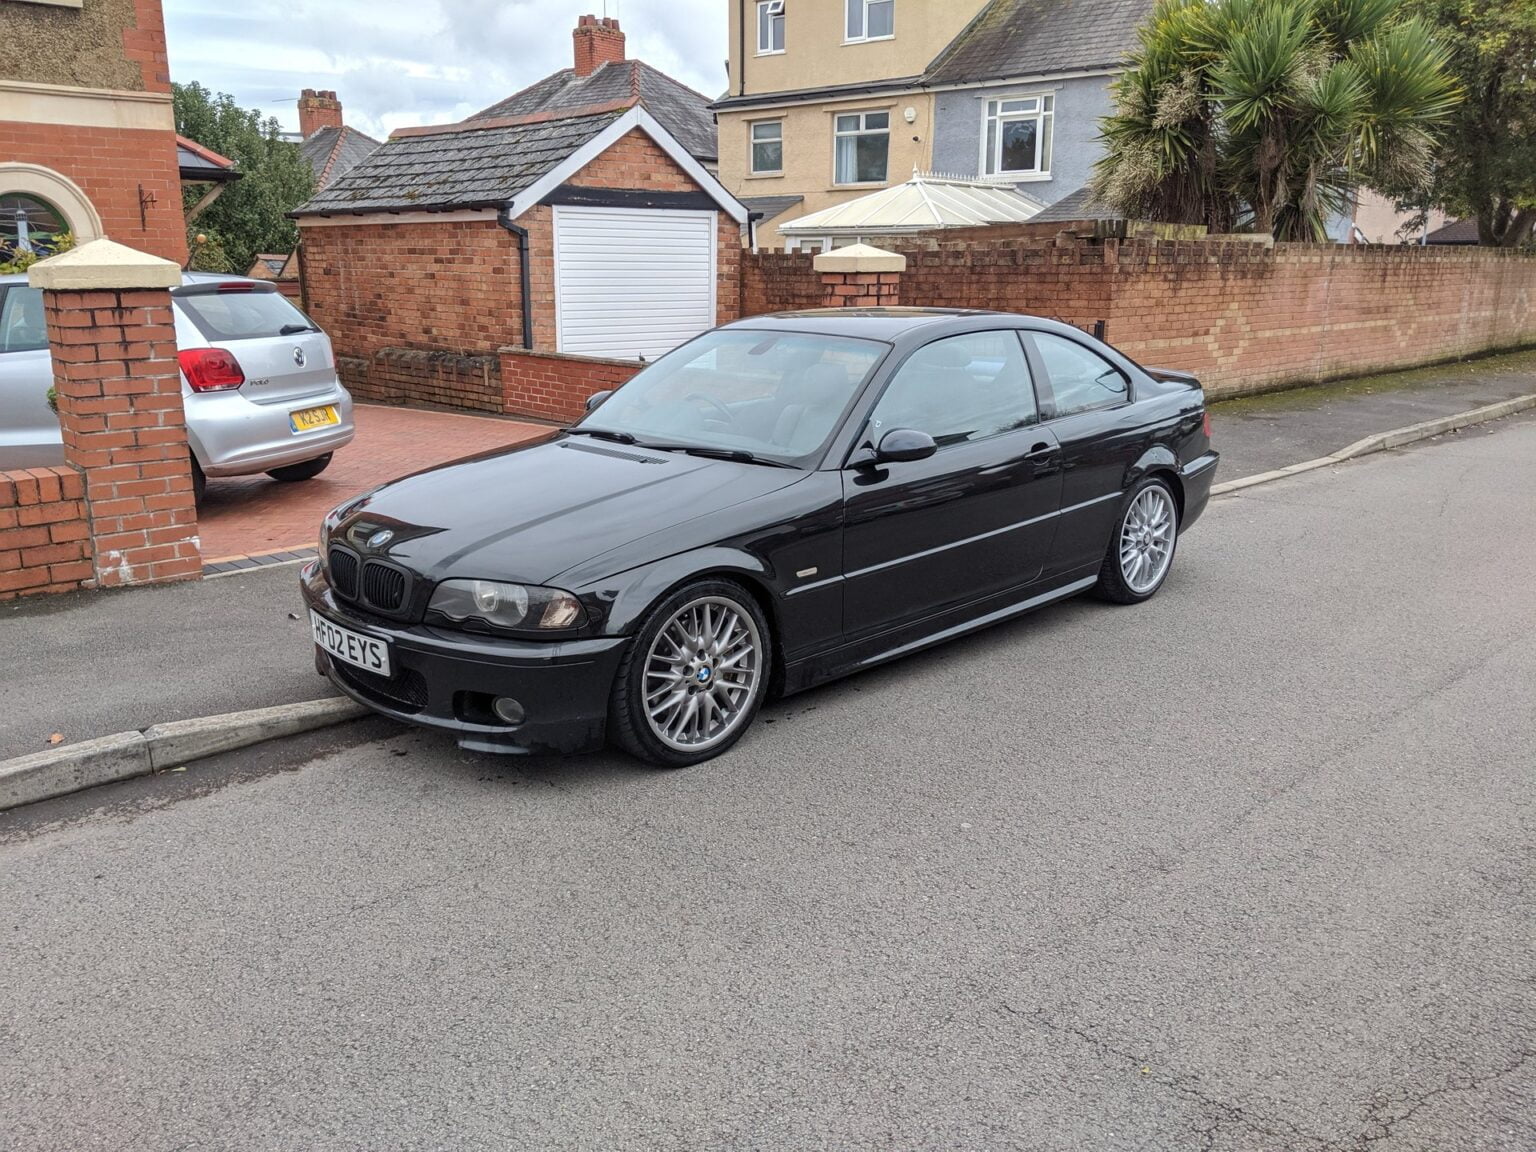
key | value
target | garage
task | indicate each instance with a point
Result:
(632, 282)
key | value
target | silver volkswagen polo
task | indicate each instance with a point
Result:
(258, 380)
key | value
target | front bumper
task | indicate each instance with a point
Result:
(445, 680)
(1197, 477)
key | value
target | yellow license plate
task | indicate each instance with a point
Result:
(307, 419)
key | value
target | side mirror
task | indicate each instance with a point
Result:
(597, 398)
(903, 444)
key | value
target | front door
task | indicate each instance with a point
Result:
(29, 430)
(976, 518)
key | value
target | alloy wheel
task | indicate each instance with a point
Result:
(1146, 539)
(701, 674)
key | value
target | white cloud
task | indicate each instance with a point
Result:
(394, 63)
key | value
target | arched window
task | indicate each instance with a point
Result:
(29, 224)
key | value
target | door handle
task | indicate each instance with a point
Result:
(1042, 450)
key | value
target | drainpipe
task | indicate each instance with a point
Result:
(504, 218)
(741, 49)
(752, 219)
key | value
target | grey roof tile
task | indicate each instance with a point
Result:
(771, 206)
(681, 110)
(332, 152)
(1079, 205)
(1021, 38)
(456, 169)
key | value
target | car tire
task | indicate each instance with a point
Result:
(308, 470)
(706, 653)
(199, 482)
(1141, 552)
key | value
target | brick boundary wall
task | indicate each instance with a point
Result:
(554, 386)
(44, 533)
(1243, 316)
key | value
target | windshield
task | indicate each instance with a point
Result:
(775, 395)
(239, 311)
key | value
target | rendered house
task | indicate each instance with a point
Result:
(834, 99)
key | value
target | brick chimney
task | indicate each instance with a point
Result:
(318, 110)
(598, 42)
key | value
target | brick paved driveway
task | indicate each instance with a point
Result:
(253, 515)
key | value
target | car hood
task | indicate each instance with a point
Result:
(528, 513)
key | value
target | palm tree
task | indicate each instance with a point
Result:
(1270, 114)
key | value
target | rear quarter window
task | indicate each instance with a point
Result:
(242, 315)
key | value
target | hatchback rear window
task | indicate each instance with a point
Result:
(240, 313)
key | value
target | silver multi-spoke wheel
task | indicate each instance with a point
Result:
(701, 674)
(1147, 538)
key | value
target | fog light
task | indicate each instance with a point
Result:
(508, 710)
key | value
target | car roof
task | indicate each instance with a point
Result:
(186, 278)
(887, 324)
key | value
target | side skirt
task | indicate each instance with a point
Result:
(868, 653)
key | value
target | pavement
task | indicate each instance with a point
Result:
(254, 515)
(90, 664)
(1244, 869)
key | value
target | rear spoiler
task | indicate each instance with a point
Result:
(1173, 376)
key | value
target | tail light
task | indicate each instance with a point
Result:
(211, 369)
(1207, 423)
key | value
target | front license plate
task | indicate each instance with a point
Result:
(356, 649)
(308, 419)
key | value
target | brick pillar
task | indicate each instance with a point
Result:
(118, 387)
(860, 277)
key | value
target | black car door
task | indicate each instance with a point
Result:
(974, 519)
(1086, 402)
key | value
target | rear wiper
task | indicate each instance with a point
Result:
(295, 329)
(736, 455)
(602, 434)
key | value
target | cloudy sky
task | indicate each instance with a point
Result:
(400, 62)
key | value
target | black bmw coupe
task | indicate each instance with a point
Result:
(781, 501)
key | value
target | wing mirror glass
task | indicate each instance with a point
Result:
(597, 398)
(903, 444)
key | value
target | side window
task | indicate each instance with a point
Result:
(959, 389)
(1079, 378)
(22, 327)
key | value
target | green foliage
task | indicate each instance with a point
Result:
(1270, 114)
(1487, 169)
(44, 247)
(209, 253)
(250, 216)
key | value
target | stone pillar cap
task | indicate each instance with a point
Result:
(860, 258)
(104, 265)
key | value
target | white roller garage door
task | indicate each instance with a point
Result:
(632, 281)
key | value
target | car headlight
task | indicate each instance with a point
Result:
(512, 606)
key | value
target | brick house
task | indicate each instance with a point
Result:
(577, 218)
(87, 133)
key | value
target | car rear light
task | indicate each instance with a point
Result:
(1207, 424)
(211, 369)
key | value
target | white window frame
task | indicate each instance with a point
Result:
(1044, 116)
(838, 134)
(863, 6)
(752, 143)
(774, 11)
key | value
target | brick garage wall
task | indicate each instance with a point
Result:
(1242, 316)
(381, 290)
(555, 387)
(110, 165)
(44, 534)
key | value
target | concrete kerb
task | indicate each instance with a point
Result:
(75, 767)
(1385, 440)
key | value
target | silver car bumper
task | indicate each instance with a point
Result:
(234, 436)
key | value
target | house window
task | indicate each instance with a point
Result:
(768, 148)
(863, 145)
(1018, 136)
(28, 224)
(770, 27)
(870, 20)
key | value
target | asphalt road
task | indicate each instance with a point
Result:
(1245, 868)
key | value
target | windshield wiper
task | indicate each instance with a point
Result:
(602, 434)
(295, 329)
(736, 455)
